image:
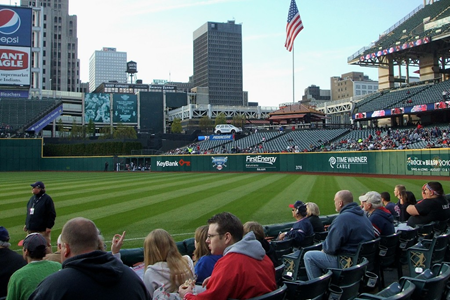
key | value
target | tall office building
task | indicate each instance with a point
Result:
(107, 65)
(60, 68)
(218, 62)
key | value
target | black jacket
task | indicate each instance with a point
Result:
(44, 213)
(10, 262)
(94, 275)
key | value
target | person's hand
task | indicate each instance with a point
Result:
(281, 236)
(185, 289)
(25, 228)
(117, 243)
(205, 282)
(48, 230)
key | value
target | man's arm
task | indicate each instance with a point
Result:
(51, 214)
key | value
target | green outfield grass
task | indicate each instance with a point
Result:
(139, 202)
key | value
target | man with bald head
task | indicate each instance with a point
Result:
(350, 228)
(88, 273)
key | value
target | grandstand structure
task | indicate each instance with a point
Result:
(420, 40)
(325, 140)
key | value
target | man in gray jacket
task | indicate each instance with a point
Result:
(350, 228)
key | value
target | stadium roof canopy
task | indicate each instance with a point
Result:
(424, 30)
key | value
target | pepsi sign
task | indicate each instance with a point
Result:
(15, 26)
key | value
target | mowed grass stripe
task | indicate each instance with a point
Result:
(185, 219)
(122, 194)
(243, 200)
(177, 202)
(92, 195)
(171, 204)
(276, 209)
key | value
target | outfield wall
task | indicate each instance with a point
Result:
(433, 162)
(26, 155)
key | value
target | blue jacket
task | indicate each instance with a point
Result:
(382, 221)
(391, 207)
(299, 230)
(205, 266)
(350, 228)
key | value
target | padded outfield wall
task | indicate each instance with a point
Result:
(433, 162)
(26, 155)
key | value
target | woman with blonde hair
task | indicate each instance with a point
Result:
(204, 260)
(313, 213)
(258, 230)
(164, 265)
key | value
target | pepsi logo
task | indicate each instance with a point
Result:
(9, 21)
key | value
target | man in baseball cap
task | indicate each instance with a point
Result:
(41, 213)
(381, 218)
(25, 280)
(301, 228)
(10, 261)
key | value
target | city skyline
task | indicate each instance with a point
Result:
(158, 35)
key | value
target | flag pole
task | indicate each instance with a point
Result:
(293, 76)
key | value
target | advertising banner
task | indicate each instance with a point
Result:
(15, 26)
(436, 162)
(14, 93)
(97, 108)
(262, 163)
(124, 108)
(38, 126)
(169, 163)
(15, 66)
(225, 137)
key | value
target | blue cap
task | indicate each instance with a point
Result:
(38, 184)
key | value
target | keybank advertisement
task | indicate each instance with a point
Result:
(262, 163)
(15, 26)
(346, 162)
(173, 163)
(428, 162)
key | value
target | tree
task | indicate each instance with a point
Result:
(205, 123)
(77, 132)
(124, 132)
(221, 119)
(239, 120)
(91, 128)
(105, 133)
(60, 127)
(176, 126)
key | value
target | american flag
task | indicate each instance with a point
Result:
(293, 27)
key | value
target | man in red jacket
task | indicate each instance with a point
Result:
(243, 272)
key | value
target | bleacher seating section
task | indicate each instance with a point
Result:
(320, 140)
(17, 112)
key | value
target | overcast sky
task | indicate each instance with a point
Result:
(157, 34)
